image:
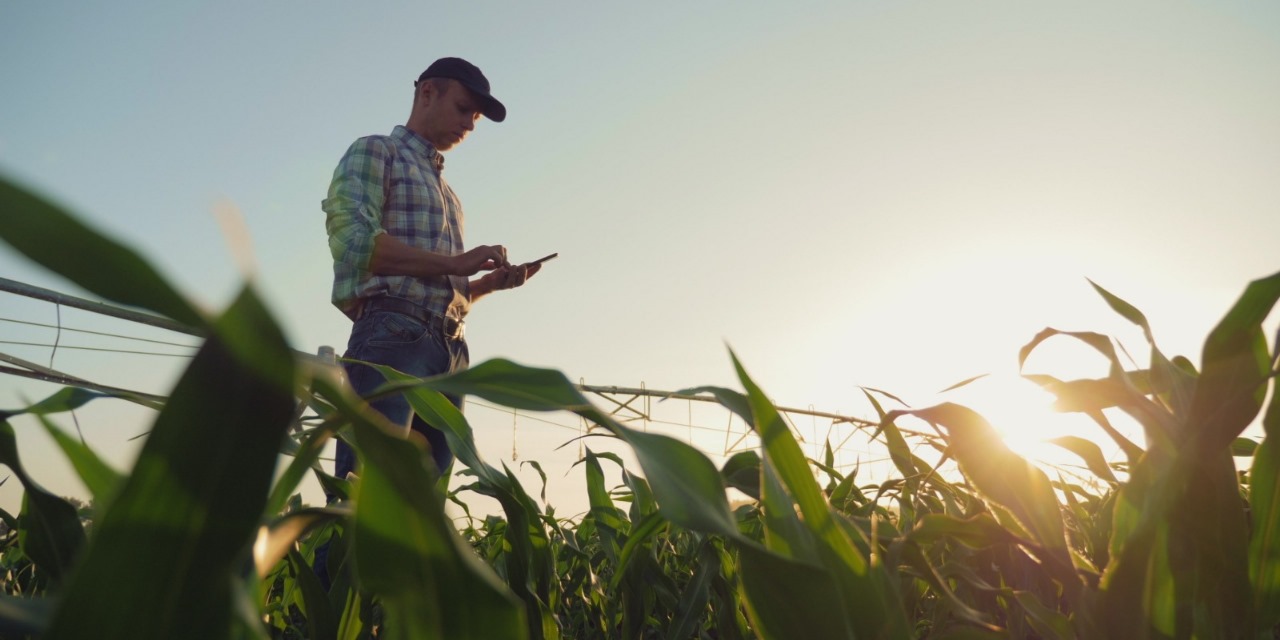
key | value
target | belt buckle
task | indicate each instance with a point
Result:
(459, 329)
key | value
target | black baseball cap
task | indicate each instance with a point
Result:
(470, 77)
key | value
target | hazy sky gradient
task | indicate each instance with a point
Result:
(895, 195)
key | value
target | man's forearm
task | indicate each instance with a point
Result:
(392, 257)
(479, 288)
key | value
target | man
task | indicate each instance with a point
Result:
(400, 270)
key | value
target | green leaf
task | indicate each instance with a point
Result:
(1165, 374)
(48, 236)
(275, 541)
(1235, 368)
(50, 531)
(431, 583)
(641, 533)
(1133, 453)
(1244, 447)
(899, 451)
(1128, 311)
(1137, 599)
(977, 532)
(182, 522)
(1047, 622)
(65, 399)
(306, 458)
(529, 566)
(697, 594)
(914, 557)
(789, 599)
(322, 620)
(610, 522)
(1119, 389)
(1008, 480)
(1264, 500)
(643, 504)
(686, 484)
(1090, 452)
(98, 477)
(742, 472)
(870, 603)
(509, 384)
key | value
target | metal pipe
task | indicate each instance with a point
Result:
(161, 322)
(48, 295)
(602, 390)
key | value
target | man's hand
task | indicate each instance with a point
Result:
(508, 277)
(393, 257)
(482, 258)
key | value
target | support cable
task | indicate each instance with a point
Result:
(58, 336)
(100, 349)
(144, 399)
(96, 333)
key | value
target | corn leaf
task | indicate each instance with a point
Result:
(1090, 452)
(99, 478)
(322, 620)
(50, 533)
(1009, 482)
(275, 541)
(685, 483)
(875, 610)
(431, 584)
(1244, 447)
(1235, 368)
(1264, 500)
(977, 532)
(48, 236)
(64, 399)
(193, 501)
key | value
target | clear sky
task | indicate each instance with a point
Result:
(889, 194)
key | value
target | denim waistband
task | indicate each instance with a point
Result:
(451, 328)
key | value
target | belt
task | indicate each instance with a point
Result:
(451, 328)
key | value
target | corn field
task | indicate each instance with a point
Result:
(205, 537)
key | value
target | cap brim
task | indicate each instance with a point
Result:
(489, 105)
(493, 109)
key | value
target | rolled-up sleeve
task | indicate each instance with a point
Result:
(353, 208)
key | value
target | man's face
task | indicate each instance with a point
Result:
(450, 116)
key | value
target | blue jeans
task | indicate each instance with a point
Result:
(410, 346)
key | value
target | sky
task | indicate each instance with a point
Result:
(894, 195)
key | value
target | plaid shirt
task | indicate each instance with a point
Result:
(392, 184)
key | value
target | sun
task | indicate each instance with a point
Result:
(1022, 413)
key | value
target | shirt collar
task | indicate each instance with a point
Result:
(420, 146)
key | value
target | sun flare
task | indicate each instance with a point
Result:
(1022, 413)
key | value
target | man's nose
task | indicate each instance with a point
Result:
(470, 124)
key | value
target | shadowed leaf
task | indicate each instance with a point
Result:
(51, 533)
(1264, 499)
(48, 236)
(194, 499)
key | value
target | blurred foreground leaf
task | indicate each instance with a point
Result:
(180, 528)
(50, 237)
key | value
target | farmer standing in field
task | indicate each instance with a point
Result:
(400, 270)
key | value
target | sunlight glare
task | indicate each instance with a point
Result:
(1022, 413)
